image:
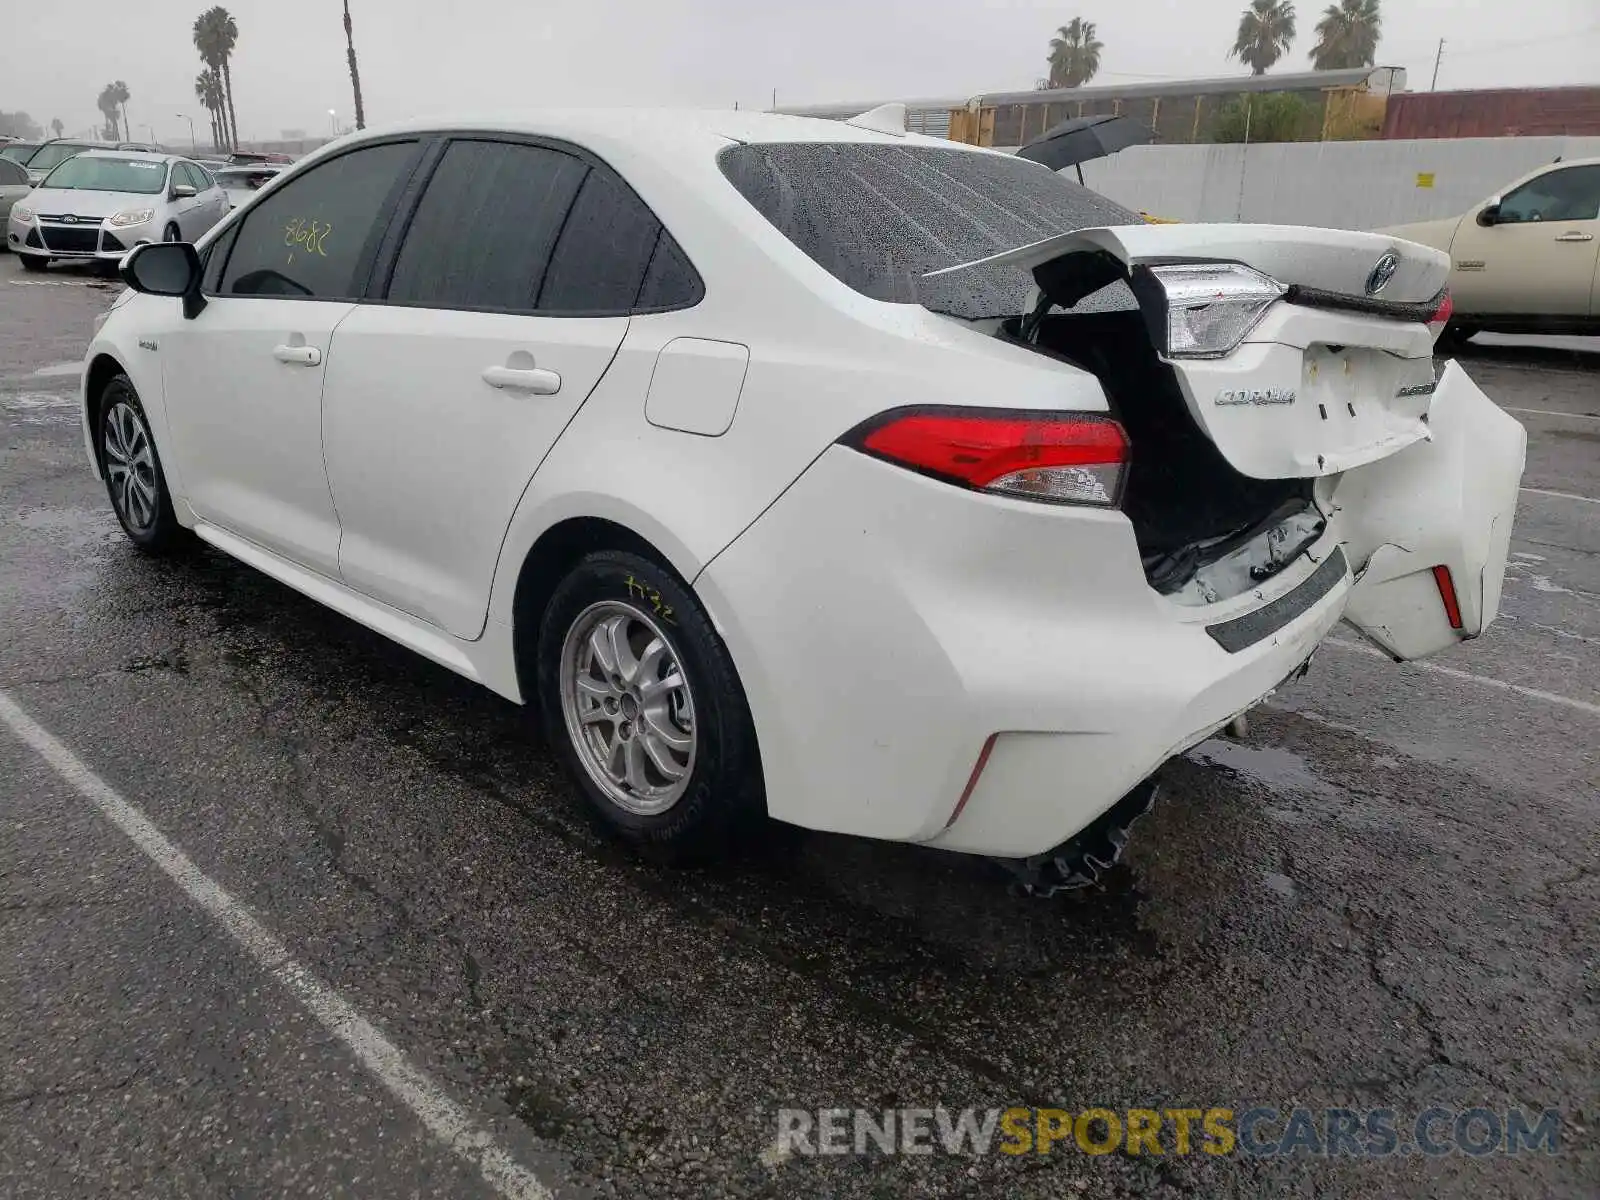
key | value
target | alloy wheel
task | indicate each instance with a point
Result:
(131, 467)
(628, 707)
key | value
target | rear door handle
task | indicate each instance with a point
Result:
(1575, 237)
(299, 356)
(531, 379)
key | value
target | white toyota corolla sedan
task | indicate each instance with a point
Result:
(808, 469)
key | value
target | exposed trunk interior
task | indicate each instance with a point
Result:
(1188, 506)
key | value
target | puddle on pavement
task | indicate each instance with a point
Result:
(1308, 798)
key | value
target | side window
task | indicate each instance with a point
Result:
(10, 172)
(604, 250)
(484, 230)
(310, 238)
(187, 174)
(198, 177)
(1572, 194)
(671, 281)
(216, 257)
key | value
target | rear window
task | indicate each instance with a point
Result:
(96, 173)
(51, 153)
(879, 216)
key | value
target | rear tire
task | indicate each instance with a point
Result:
(33, 262)
(672, 767)
(135, 482)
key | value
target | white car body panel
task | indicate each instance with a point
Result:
(246, 428)
(406, 397)
(1444, 502)
(886, 626)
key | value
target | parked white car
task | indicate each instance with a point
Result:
(99, 204)
(737, 447)
(1526, 260)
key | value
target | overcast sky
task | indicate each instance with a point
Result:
(424, 56)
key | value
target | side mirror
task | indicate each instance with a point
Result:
(1490, 214)
(166, 269)
(182, 191)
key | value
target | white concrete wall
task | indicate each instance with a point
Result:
(1343, 185)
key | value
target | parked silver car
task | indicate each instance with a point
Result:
(101, 203)
(243, 182)
(14, 185)
(53, 153)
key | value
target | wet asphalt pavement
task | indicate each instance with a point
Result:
(1386, 896)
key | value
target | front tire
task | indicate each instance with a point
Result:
(641, 700)
(33, 262)
(135, 481)
(171, 233)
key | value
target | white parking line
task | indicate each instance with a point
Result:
(446, 1120)
(1561, 495)
(67, 368)
(1582, 706)
(1550, 412)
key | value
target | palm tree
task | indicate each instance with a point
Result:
(1265, 31)
(215, 36)
(1347, 35)
(119, 93)
(208, 89)
(107, 104)
(1074, 54)
(355, 75)
(56, 126)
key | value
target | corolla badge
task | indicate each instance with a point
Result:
(1232, 396)
(1382, 272)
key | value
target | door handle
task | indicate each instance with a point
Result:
(1575, 237)
(298, 356)
(530, 379)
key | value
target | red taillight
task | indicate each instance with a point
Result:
(1442, 314)
(1447, 593)
(1065, 458)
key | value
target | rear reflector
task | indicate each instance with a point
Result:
(1062, 458)
(1447, 593)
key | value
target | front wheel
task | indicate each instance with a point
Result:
(33, 262)
(642, 702)
(172, 233)
(134, 479)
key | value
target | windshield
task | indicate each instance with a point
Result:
(49, 155)
(880, 216)
(18, 151)
(98, 173)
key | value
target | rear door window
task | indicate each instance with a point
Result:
(316, 236)
(877, 216)
(603, 252)
(483, 233)
(11, 172)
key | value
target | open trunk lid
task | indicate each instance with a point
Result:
(1333, 372)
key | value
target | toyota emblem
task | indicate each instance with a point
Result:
(1382, 273)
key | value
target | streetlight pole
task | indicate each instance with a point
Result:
(194, 146)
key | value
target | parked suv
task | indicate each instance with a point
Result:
(1525, 260)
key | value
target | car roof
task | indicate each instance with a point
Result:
(137, 155)
(654, 131)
